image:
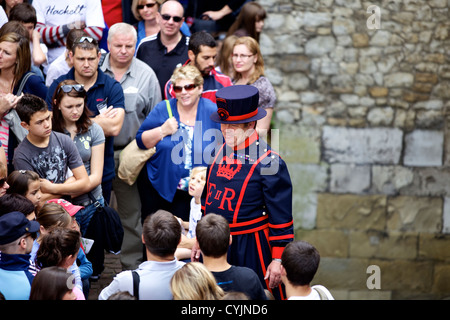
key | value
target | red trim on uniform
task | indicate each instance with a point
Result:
(244, 185)
(261, 259)
(283, 225)
(246, 223)
(235, 233)
(288, 236)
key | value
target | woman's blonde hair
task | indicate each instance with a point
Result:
(135, 10)
(194, 282)
(253, 47)
(187, 72)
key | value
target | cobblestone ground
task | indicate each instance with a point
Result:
(112, 267)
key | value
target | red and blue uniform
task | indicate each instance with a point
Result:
(250, 186)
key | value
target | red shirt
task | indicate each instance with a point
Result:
(112, 11)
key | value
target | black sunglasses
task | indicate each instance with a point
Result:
(188, 87)
(148, 5)
(175, 18)
(68, 87)
(2, 182)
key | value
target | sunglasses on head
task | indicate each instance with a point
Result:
(175, 18)
(83, 39)
(68, 87)
(148, 5)
(188, 87)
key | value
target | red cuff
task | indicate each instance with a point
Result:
(277, 252)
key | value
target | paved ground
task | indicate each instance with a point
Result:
(112, 267)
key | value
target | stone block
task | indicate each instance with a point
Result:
(380, 116)
(441, 283)
(360, 40)
(415, 214)
(411, 277)
(430, 181)
(390, 179)
(434, 247)
(383, 245)
(399, 79)
(329, 243)
(426, 77)
(299, 144)
(378, 92)
(424, 148)
(370, 295)
(446, 216)
(351, 212)
(349, 178)
(320, 45)
(342, 273)
(362, 146)
(293, 63)
(306, 181)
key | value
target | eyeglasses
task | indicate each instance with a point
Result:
(241, 56)
(148, 5)
(175, 18)
(2, 182)
(68, 87)
(188, 87)
(83, 39)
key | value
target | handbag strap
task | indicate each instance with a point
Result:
(23, 82)
(136, 280)
(95, 201)
(169, 109)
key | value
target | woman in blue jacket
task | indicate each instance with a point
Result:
(183, 141)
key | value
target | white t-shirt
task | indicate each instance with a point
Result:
(314, 295)
(57, 13)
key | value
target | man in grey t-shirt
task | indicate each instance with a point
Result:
(48, 153)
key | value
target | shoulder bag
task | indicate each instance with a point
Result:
(132, 158)
(105, 227)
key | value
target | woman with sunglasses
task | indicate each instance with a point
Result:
(248, 69)
(182, 142)
(72, 117)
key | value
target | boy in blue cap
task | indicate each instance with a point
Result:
(16, 240)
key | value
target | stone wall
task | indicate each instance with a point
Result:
(363, 125)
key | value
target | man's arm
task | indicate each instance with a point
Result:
(81, 184)
(111, 121)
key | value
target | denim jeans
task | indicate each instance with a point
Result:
(84, 215)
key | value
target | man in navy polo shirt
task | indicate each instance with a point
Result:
(105, 99)
(169, 47)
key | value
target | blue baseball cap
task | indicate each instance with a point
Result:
(14, 224)
(237, 104)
